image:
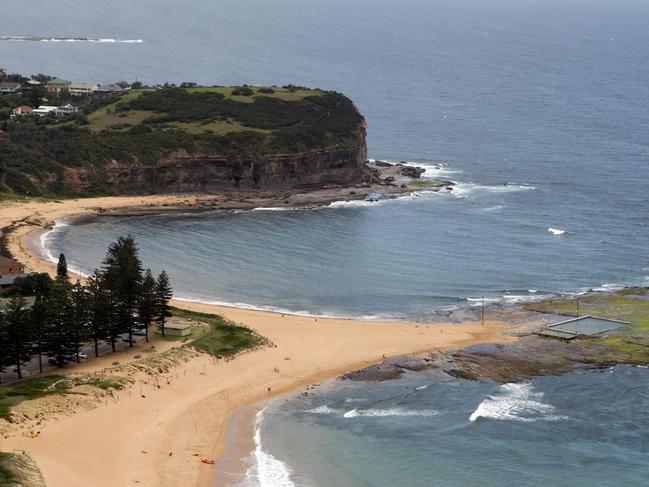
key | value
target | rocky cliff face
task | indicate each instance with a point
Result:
(180, 172)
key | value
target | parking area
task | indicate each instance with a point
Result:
(31, 368)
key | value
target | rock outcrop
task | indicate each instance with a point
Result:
(181, 172)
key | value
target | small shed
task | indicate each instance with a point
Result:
(178, 328)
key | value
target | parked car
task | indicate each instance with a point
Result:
(58, 361)
(139, 333)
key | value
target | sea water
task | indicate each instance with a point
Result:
(537, 109)
(581, 429)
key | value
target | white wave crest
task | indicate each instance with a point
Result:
(556, 231)
(324, 409)
(463, 189)
(266, 470)
(378, 413)
(516, 402)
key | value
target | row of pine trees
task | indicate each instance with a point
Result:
(118, 298)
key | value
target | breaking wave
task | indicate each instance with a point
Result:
(265, 469)
(516, 402)
(378, 413)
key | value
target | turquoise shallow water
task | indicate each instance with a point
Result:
(549, 96)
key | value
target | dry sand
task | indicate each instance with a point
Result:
(151, 438)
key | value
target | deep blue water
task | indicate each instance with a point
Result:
(551, 96)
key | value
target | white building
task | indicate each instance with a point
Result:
(44, 110)
(82, 89)
(66, 109)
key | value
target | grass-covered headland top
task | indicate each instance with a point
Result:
(74, 153)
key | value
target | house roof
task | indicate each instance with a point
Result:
(82, 86)
(110, 89)
(24, 108)
(9, 84)
(58, 81)
(7, 260)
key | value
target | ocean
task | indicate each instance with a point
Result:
(536, 109)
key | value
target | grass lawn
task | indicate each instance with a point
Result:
(103, 111)
(221, 127)
(281, 93)
(223, 337)
(130, 118)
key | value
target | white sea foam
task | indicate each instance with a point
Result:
(466, 189)
(266, 470)
(432, 171)
(69, 39)
(556, 231)
(516, 402)
(45, 249)
(324, 409)
(378, 413)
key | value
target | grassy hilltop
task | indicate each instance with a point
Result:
(143, 126)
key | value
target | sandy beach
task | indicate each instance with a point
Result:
(151, 437)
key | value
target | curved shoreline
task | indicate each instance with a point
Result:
(319, 348)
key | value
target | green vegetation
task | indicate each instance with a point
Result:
(629, 305)
(223, 337)
(43, 156)
(120, 298)
(34, 388)
(19, 470)
(14, 394)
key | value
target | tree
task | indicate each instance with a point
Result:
(99, 310)
(147, 302)
(57, 335)
(122, 270)
(32, 284)
(79, 317)
(16, 334)
(62, 269)
(163, 294)
(38, 328)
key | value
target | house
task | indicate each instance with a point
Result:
(10, 266)
(66, 109)
(9, 87)
(82, 89)
(178, 329)
(106, 91)
(57, 85)
(45, 110)
(22, 110)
